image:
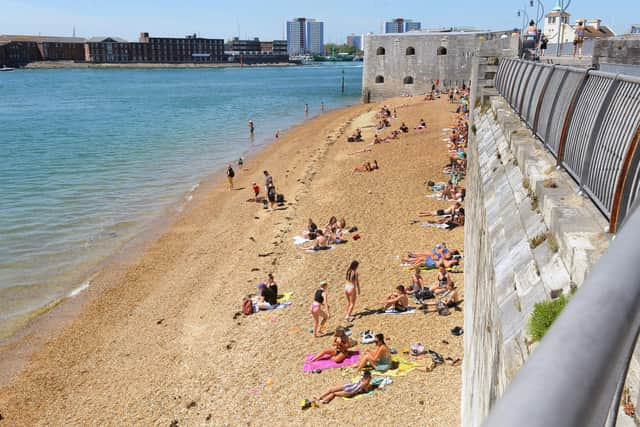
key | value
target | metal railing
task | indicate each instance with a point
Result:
(589, 120)
(576, 375)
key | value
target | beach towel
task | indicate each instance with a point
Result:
(392, 310)
(285, 297)
(310, 249)
(328, 363)
(376, 384)
(404, 367)
(298, 240)
(275, 307)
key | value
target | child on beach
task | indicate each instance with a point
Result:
(256, 190)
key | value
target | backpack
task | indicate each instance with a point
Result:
(443, 310)
(247, 306)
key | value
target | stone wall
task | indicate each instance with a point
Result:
(515, 196)
(410, 63)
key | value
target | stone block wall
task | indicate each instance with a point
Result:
(410, 63)
(515, 196)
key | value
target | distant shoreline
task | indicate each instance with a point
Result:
(40, 65)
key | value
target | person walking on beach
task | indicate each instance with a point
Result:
(230, 175)
(306, 108)
(251, 126)
(352, 289)
(319, 316)
(322, 106)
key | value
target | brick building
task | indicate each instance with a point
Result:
(20, 50)
(160, 50)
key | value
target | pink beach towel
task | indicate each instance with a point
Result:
(328, 363)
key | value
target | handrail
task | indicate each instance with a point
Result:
(590, 133)
(573, 376)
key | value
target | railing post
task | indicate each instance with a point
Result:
(622, 186)
(567, 118)
(541, 99)
(586, 164)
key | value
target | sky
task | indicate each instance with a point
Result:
(265, 19)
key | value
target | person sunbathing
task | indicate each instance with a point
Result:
(347, 390)
(380, 125)
(417, 288)
(397, 300)
(319, 244)
(448, 222)
(377, 139)
(404, 128)
(365, 167)
(449, 296)
(395, 114)
(395, 134)
(339, 350)
(266, 299)
(431, 261)
(332, 225)
(422, 125)
(441, 212)
(356, 136)
(378, 358)
(429, 96)
(311, 231)
(444, 280)
(364, 150)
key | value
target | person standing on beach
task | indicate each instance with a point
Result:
(271, 195)
(230, 175)
(351, 289)
(251, 126)
(306, 108)
(322, 106)
(268, 179)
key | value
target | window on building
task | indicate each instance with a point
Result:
(408, 80)
(380, 51)
(411, 51)
(379, 79)
(442, 50)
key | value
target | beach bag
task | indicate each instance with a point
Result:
(443, 310)
(247, 306)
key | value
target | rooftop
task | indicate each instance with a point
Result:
(40, 39)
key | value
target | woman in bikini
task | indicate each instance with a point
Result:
(347, 390)
(320, 299)
(444, 280)
(340, 349)
(379, 358)
(351, 289)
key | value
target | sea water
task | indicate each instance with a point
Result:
(89, 158)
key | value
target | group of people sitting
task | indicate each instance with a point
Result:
(332, 233)
(267, 295)
(355, 136)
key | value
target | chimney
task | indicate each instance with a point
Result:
(595, 23)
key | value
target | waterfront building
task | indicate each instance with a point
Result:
(163, 50)
(635, 29)
(557, 27)
(394, 26)
(49, 48)
(355, 41)
(412, 63)
(296, 37)
(315, 37)
(411, 25)
(305, 35)
(255, 51)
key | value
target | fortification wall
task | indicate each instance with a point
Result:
(396, 64)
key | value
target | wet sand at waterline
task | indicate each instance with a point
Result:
(161, 342)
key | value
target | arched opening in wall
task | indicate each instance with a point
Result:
(380, 51)
(442, 50)
(411, 51)
(408, 80)
(379, 79)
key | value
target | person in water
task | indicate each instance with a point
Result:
(251, 126)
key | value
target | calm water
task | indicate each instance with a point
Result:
(91, 157)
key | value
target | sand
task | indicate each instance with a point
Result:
(161, 342)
